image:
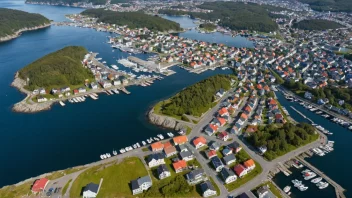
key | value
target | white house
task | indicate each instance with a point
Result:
(163, 172)
(141, 184)
(155, 160)
(42, 99)
(228, 175)
(207, 189)
(91, 190)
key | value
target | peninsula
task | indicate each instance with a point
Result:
(133, 20)
(14, 22)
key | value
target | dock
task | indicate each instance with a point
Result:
(338, 189)
(283, 169)
(151, 65)
(301, 114)
(124, 90)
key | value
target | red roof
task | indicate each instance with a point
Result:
(179, 164)
(214, 127)
(157, 146)
(39, 184)
(239, 169)
(180, 139)
(167, 145)
(211, 154)
(223, 134)
(221, 120)
(198, 140)
(223, 111)
(249, 163)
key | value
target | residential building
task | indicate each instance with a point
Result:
(224, 136)
(249, 165)
(214, 146)
(157, 146)
(228, 175)
(195, 176)
(155, 159)
(217, 164)
(186, 155)
(207, 189)
(90, 190)
(227, 151)
(141, 184)
(211, 129)
(39, 185)
(235, 146)
(211, 154)
(264, 192)
(229, 159)
(199, 142)
(180, 166)
(163, 171)
(179, 140)
(240, 170)
(170, 151)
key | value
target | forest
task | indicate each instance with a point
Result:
(330, 5)
(282, 139)
(333, 94)
(13, 20)
(207, 26)
(70, 2)
(236, 16)
(133, 20)
(316, 24)
(196, 99)
(57, 69)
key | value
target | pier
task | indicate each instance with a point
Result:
(159, 68)
(301, 114)
(338, 189)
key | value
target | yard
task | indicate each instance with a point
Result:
(240, 181)
(117, 178)
(272, 188)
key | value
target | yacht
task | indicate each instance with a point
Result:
(122, 150)
(143, 142)
(316, 180)
(309, 175)
(160, 136)
(322, 185)
(101, 157)
(302, 188)
(296, 182)
(287, 189)
(305, 171)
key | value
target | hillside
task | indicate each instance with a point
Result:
(133, 19)
(330, 5)
(236, 16)
(70, 2)
(57, 69)
(316, 24)
(196, 99)
(14, 20)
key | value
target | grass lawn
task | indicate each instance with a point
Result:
(117, 178)
(146, 149)
(189, 130)
(240, 181)
(59, 174)
(66, 186)
(16, 191)
(272, 188)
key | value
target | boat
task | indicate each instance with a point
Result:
(305, 171)
(122, 150)
(287, 189)
(143, 142)
(101, 157)
(316, 180)
(114, 152)
(296, 182)
(309, 175)
(160, 136)
(289, 193)
(62, 103)
(322, 185)
(302, 188)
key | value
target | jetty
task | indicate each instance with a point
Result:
(338, 189)
(302, 114)
(124, 90)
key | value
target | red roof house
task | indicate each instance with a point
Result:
(199, 142)
(240, 170)
(223, 112)
(180, 166)
(39, 185)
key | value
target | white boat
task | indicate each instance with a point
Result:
(287, 189)
(122, 150)
(302, 188)
(114, 152)
(62, 103)
(101, 157)
(138, 145)
(305, 171)
(322, 185)
(309, 175)
(114, 67)
(143, 142)
(115, 91)
(160, 136)
(296, 182)
(316, 180)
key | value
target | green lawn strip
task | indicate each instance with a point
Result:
(117, 178)
(272, 188)
(282, 111)
(145, 149)
(189, 130)
(240, 181)
(65, 187)
(215, 186)
(16, 191)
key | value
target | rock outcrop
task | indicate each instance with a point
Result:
(166, 122)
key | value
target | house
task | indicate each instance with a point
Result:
(207, 189)
(214, 146)
(141, 184)
(82, 90)
(41, 99)
(264, 192)
(262, 149)
(179, 140)
(219, 121)
(199, 142)
(116, 82)
(220, 93)
(186, 155)
(39, 185)
(228, 175)
(235, 146)
(163, 171)
(157, 146)
(170, 151)
(180, 166)
(105, 84)
(211, 129)
(195, 176)
(94, 85)
(227, 151)
(229, 159)
(42, 91)
(224, 136)
(240, 170)
(223, 112)
(308, 95)
(182, 148)
(211, 154)
(217, 164)
(155, 159)
(90, 190)
(249, 165)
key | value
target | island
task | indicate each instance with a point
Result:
(133, 20)
(14, 22)
(208, 27)
(317, 24)
(236, 16)
(62, 69)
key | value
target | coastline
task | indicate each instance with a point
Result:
(20, 31)
(58, 4)
(166, 122)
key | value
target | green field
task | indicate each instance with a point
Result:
(117, 178)
(64, 189)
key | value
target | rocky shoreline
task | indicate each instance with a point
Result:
(26, 105)
(19, 32)
(165, 121)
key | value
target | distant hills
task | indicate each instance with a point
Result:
(14, 20)
(133, 19)
(236, 16)
(70, 2)
(316, 24)
(58, 69)
(330, 5)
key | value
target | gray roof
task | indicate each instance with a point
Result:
(216, 162)
(135, 184)
(91, 187)
(162, 168)
(193, 174)
(207, 185)
(185, 154)
(225, 173)
(155, 156)
(229, 158)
